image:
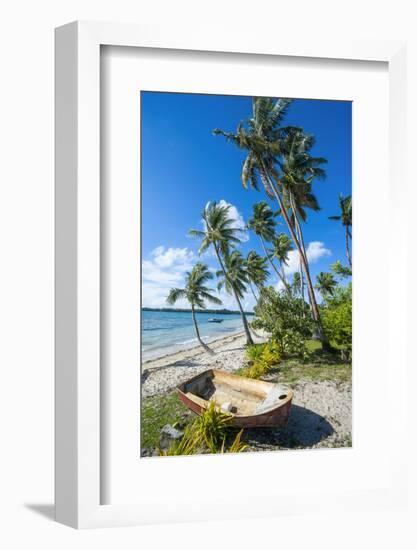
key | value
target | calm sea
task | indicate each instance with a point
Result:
(170, 331)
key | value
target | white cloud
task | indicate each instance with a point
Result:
(167, 258)
(165, 270)
(315, 251)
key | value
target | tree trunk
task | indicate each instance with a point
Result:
(314, 307)
(283, 274)
(347, 248)
(301, 265)
(284, 282)
(253, 292)
(300, 238)
(249, 340)
(205, 346)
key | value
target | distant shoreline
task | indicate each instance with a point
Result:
(210, 311)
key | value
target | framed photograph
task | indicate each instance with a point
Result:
(219, 331)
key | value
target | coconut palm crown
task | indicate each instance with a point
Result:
(195, 292)
(220, 233)
(326, 284)
(256, 267)
(262, 222)
(219, 230)
(264, 139)
(345, 204)
(237, 276)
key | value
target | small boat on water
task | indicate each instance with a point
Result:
(251, 403)
(215, 320)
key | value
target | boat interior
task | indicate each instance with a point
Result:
(235, 394)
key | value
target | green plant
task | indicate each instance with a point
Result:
(210, 428)
(280, 160)
(341, 271)
(187, 445)
(237, 446)
(221, 233)
(196, 293)
(271, 353)
(337, 322)
(256, 271)
(286, 318)
(208, 431)
(326, 284)
(261, 358)
(254, 352)
(345, 217)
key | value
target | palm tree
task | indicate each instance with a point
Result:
(262, 223)
(196, 293)
(345, 217)
(326, 284)
(299, 169)
(296, 284)
(256, 271)
(237, 276)
(281, 247)
(220, 233)
(262, 138)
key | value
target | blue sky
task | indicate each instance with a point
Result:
(184, 166)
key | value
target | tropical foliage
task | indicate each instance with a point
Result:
(286, 318)
(256, 270)
(279, 159)
(337, 320)
(345, 217)
(220, 233)
(326, 284)
(196, 293)
(208, 433)
(282, 245)
(261, 358)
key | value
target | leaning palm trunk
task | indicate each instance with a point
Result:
(281, 278)
(349, 257)
(301, 272)
(249, 340)
(300, 238)
(314, 307)
(253, 292)
(284, 278)
(197, 331)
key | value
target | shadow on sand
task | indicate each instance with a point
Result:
(184, 363)
(305, 428)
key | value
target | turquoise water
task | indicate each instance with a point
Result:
(167, 332)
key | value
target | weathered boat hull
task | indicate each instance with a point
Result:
(248, 398)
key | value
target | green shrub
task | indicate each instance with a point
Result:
(254, 352)
(208, 432)
(261, 358)
(337, 324)
(287, 318)
(211, 427)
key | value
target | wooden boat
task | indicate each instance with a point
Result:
(252, 403)
(215, 320)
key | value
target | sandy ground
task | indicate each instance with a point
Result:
(321, 412)
(164, 374)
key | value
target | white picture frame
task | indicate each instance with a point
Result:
(78, 321)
